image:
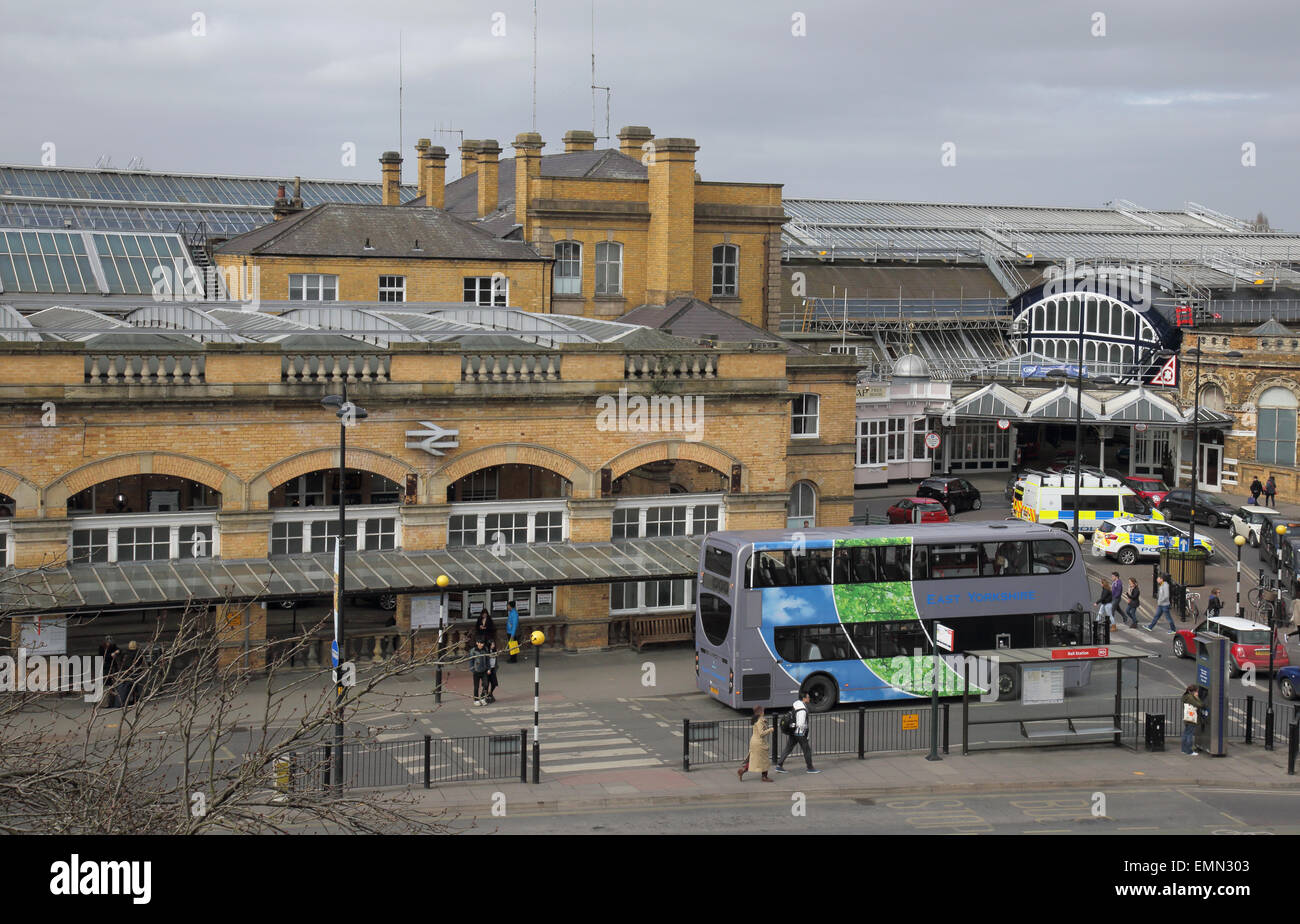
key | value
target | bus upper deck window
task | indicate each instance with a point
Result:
(1052, 556)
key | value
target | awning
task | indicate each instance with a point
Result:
(1138, 405)
(139, 585)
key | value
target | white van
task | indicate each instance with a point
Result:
(1042, 497)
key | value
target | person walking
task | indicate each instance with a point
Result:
(1270, 492)
(1105, 604)
(1214, 606)
(491, 678)
(110, 661)
(512, 632)
(1116, 595)
(1162, 605)
(760, 748)
(1191, 720)
(798, 734)
(1256, 489)
(1133, 598)
(478, 666)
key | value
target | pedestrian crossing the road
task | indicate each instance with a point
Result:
(573, 738)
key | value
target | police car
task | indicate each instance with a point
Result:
(1127, 539)
(1042, 497)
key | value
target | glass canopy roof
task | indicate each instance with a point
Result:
(80, 588)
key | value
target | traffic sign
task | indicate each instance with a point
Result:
(1139, 427)
(932, 440)
(1003, 424)
(334, 653)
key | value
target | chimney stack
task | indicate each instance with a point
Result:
(630, 139)
(488, 153)
(433, 173)
(528, 167)
(579, 141)
(420, 147)
(390, 169)
(469, 157)
(672, 220)
(283, 206)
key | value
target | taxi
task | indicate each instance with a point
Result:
(1128, 539)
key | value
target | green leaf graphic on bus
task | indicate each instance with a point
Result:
(874, 602)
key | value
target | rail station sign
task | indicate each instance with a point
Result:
(1065, 654)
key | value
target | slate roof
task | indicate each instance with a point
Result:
(698, 320)
(1271, 328)
(462, 194)
(341, 230)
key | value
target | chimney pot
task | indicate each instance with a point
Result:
(433, 175)
(630, 139)
(469, 157)
(578, 140)
(488, 153)
(390, 169)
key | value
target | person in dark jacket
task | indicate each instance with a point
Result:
(485, 628)
(478, 666)
(1133, 598)
(1105, 604)
(1270, 492)
(1214, 606)
(490, 684)
(111, 659)
(1256, 489)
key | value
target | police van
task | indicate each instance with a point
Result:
(1043, 497)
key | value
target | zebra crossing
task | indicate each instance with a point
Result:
(573, 738)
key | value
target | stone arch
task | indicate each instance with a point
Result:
(1263, 385)
(313, 460)
(56, 494)
(661, 450)
(26, 494)
(514, 454)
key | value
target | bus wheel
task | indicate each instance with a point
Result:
(822, 693)
(1008, 682)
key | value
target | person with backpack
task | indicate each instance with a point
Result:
(1270, 492)
(795, 726)
(1256, 489)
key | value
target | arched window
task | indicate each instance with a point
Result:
(1212, 397)
(609, 268)
(1129, 322)
(1051, 316)
(1275, 436)
(726, 262)
(568, 268)
(801, 509)
(1039, 323)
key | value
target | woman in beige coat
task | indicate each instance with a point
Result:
(760, 748)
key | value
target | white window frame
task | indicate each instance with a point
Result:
(358, 518)
(794, 520)
(723, 290)
(481, 510)
(608, 247)
(397, 288)
(572, 282)
(635, 594)
(689, 502)
(320, 284)
(484, 289)
(174, 522)
(7, 546)
(799, 411)
(872, 443)
(1286, 405)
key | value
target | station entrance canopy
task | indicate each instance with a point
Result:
(159, 584)
(1059, 405)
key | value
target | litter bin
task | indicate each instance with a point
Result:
(1184, 567)
(1155, 732)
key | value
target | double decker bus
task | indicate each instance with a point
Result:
(843, 613)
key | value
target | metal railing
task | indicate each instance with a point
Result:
(413, 762)
(857, 732)
(1244, 719)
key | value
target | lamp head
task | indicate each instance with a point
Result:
(1239, 541)
(1281, 529)
(443, 580)
(537, 637)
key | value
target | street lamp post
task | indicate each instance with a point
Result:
(1196, 436)
(348, 414)
(1238, 541)
(537, 638)
(1272, 641)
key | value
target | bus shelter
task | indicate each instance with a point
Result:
(1042, 676)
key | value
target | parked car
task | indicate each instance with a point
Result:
(1248, 643)
(1288, 682)
(1268, 538)
(917, 510)
(1248, 520)
(1210, 509)
(953, 492)
(1149, 487)
(1126, 539)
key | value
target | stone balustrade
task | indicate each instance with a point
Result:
(145, 368)
(315, 368)
(670, 366)
(482, 368)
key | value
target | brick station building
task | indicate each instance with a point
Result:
(129, 446)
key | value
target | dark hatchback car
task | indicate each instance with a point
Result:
(954, 493)
(1210, 510)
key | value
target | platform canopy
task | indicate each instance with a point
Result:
(1137, 405)
(83, 588)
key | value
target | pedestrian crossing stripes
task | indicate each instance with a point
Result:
(574, 739)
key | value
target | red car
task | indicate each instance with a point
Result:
(1147, 486)
(917, 510)
(1248, 643)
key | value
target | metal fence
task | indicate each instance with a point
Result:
(1244, 720)
(412, 762)
(859, 732)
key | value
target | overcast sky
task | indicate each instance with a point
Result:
(1040, 110)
